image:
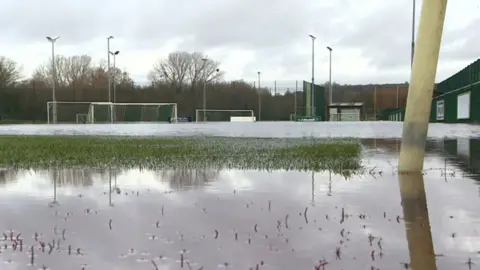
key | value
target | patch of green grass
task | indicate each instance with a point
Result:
(43, 152)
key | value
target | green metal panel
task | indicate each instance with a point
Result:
(475, 102)
(433, 111)
(101, 113)
(319, 101)
(307, 94)
(133, 113)
(164, 112)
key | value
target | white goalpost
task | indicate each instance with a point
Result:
(210, 115)
(108, 112)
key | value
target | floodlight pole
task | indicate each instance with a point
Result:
(312, 94)
(54, 80)
(109, 78)
(114, 54)
(330, 76)
(204, 89)
(259, 98)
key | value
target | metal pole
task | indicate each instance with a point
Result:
(330, 77)
(295, 102)
(259, 99)
(375, 103)
(204, 90)
(54, 96)
(413, 35)
(398, 88)
(114, 86)
(422, 81)
(312, 94)
(204, 100)
(114, 78)
(109, 74)
(108, 70)
(48, 112)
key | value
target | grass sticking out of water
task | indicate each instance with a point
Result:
(43, 152)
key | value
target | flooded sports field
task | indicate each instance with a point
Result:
(206, 218)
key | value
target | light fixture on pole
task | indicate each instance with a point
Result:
(259, 99)
(330, 94)
(54, 79)
(312, 94)
(109, 78)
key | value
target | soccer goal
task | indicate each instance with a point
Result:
(107, 112)
(67, 112)
(212, 115)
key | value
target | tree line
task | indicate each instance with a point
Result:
(178, 78)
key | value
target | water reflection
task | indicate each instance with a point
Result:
(187, 178)
(462, 153)
(281, 219)
(417, 223)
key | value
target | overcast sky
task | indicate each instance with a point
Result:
(371, 39)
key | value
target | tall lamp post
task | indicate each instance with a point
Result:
(54, 79)
(330, 95)
(109, 74)
(114, 98)
(259, 99)
(312, 95)
(204, 89)
(114, 54)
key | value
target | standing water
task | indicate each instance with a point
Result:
(207, 219)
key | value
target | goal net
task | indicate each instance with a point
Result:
(67, 112)
(211, 115)
(107, 112)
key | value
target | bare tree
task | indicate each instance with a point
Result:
(44, 73)
(9, 71)
(201, 70)
(77, 69)
(183, 68)
(172, 70)
(71, 71)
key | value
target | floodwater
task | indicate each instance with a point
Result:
(189, 219)
(364, 129)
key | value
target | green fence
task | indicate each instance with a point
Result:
(319, 100)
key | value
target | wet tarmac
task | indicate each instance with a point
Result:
(204, 219)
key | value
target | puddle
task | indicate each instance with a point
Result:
(240, 219)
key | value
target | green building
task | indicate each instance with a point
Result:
(456, 99)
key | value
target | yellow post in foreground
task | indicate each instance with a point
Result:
(422, 82)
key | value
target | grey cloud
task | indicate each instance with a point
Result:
(242, 24)
(33, 20)
(383, 36)
(269, 28)
(462, 44)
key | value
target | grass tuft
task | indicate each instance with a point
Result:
(44, 152)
